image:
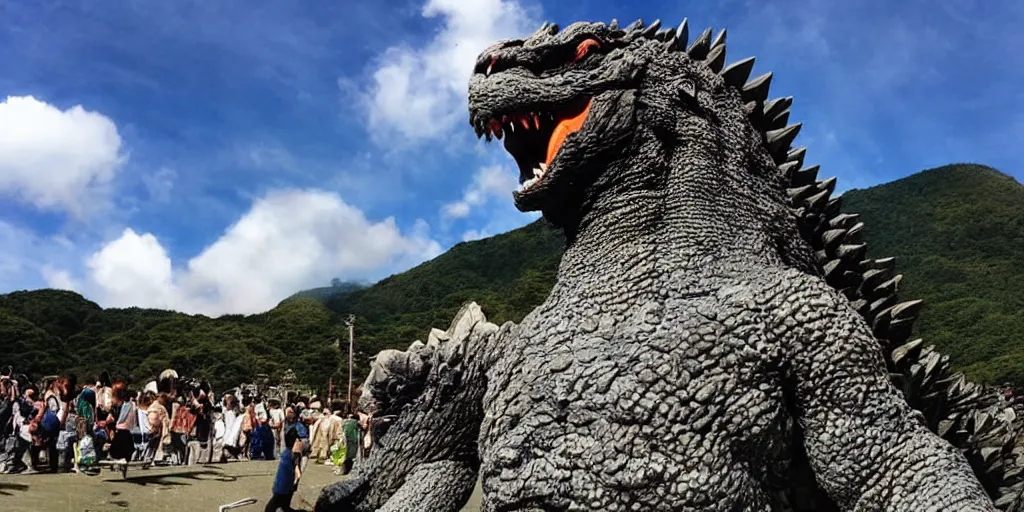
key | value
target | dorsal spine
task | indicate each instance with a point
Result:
(974, 418)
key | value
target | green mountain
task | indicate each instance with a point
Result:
(958, 235)
(508, 275)
(957, 231)
(325, 293)
(47, 332)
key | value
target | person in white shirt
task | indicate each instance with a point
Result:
(276, 423)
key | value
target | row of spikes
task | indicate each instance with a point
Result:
(960, 411)
(770, 117)
(836, 237)
(921, 372)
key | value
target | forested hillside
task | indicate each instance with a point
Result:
(958, 235)
(957, 231)
(50, 331)
(325, 293)
(508, 275)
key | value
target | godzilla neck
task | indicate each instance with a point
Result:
(691, 207)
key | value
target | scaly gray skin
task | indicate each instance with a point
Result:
(432, 463)
(712, 340)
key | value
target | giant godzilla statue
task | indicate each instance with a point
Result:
(715, 339)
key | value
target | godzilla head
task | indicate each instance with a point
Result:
(556, 98)
(572, 105)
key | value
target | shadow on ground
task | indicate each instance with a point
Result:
(6, 488)
(167, 479)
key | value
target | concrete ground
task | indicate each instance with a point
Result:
(164, 489)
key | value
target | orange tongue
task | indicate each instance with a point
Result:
(563, 129)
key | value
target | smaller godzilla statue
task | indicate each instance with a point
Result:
(715, 339)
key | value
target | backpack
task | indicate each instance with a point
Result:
(85, 452)
(50, 424)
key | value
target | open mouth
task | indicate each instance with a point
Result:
(534, 138)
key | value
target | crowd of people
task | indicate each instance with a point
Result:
(60, 424)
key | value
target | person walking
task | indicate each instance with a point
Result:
(275, 421)
(289, 472)
(51, 421)
(262, 437)
(121, 445)
(350, 429)
(306, 418)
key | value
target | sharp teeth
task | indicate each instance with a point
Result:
(525, 123)
(489, 66)
(536, 120)
(543, 167)
(537, 173)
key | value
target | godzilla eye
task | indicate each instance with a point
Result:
(584, 47)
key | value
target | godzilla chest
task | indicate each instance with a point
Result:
(674, 403)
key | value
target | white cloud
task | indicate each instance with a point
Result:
(22, 252)
(54, 159)
(420, 94)
(160, 184)
(59, 279)
(455, 209)
(474, 234)
(133, 270)
(288, 240)
(495, 181)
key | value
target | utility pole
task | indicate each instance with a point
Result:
(350, 322)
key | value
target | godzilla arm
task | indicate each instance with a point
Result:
(869, 449)
(428, 459)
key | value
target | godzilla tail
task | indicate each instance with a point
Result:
(428, 458)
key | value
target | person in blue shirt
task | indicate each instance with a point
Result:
(286, 481)
(306, 418)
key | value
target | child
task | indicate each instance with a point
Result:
(286, 481)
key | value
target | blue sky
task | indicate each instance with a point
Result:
(213, 158)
